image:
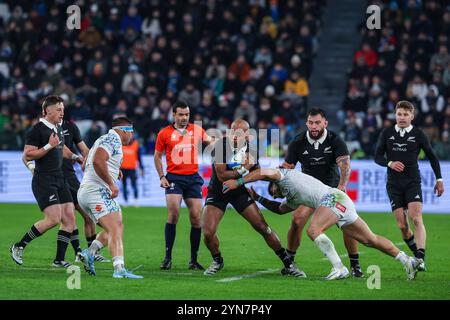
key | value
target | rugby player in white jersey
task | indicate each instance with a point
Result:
(98, 191)
(332, 206)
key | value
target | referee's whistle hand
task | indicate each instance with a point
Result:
(164, 183)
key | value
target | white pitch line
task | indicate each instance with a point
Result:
(400, 244)
(251, 275)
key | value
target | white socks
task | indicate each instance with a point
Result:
(118, 263)
(95, 247)
(327, 247)
(402, 257)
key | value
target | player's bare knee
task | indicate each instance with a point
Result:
(313, 232)
(298, 223)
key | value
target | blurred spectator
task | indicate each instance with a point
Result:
(139, 58)
(247, 112)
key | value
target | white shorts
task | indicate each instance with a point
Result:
(97, 202)
(342, 206)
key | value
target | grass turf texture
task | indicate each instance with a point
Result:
(244, 252)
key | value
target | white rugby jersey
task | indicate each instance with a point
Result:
(112, 144)
(301, 189)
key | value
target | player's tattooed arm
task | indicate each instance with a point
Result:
(343, 163)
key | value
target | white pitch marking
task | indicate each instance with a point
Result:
(251, 275)
(400, 244)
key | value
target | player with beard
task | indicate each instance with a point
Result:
(321, 152)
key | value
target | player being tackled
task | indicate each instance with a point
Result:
(332, 206)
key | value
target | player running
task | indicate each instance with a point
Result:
(180, 141)
(97, 195)
(398, 149)
(332, 206)
(72, 138)
(320, 153)
(233, 158)
(45, 145)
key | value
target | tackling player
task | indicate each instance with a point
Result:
(398, 149)
(233, 158)
(332, 206)
(45, 145)
(97, 194)
(320, 153)
(180, 141)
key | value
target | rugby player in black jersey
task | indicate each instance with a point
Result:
(233, 158)
(398, 149)
(321, 152)
(45, 144)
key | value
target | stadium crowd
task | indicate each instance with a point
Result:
(226, 59)
(407, 59)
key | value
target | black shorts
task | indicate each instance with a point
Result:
(401, 193)
(129, 173)
(239, 200)
(190, 186)
(49, 190)
(74, 185)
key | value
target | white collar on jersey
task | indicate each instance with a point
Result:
(321, 140)
(48, 124)
(407, 129)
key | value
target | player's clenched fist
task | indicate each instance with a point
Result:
(114, 191)
(397, 166)
(53, 140)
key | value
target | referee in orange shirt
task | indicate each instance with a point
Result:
(181, 141)
(131, 158)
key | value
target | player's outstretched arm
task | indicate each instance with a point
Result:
(256, 175)
(274, 206)
(72, 156)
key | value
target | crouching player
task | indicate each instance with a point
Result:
(332, 206)
(97, 192)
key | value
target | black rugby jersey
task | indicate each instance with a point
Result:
(395, 144)
(223, 153)
(318, 157)
(38, 136)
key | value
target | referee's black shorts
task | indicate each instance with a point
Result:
(403, 192)
(49, 190)
(73, 184)
(240, 199)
